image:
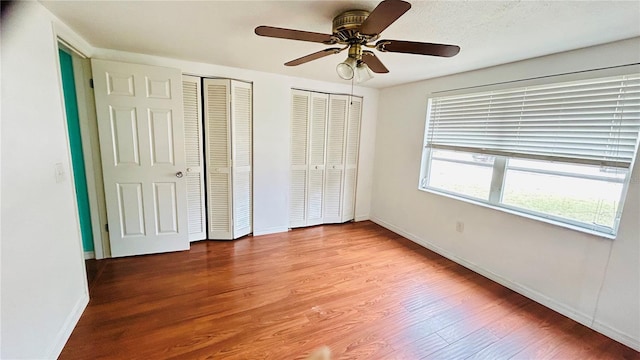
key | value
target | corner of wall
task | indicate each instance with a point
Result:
(44, 288)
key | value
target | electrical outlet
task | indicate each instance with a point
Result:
(459, 226)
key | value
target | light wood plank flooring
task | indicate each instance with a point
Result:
(365, 292)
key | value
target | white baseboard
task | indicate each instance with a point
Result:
(89, 255)
(271, 230)
(582, 318)
(68, 326)
(361, 217)
(616, 335)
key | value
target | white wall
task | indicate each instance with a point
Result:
(271, 113)
(43, 280)
(590, 279)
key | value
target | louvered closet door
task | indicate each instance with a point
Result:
(241, 119)
(338, 108)
(351, 159)
(300, 106)
(193, 136)
(317, 140)
(218, 158)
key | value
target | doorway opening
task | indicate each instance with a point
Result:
(84, 151)
(77, 155)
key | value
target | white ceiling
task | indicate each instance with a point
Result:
(221, 32)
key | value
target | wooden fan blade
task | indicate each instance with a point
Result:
(294, 34)
(420, 48)
(314, 56)
(384, 15)
(373, 62)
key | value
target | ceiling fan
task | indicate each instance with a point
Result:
(356, 29)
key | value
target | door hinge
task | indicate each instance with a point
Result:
(91, 83)
(106, 227)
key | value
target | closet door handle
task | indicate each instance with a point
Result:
(179, 174)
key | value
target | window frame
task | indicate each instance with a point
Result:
(497, 190)
(500, 167)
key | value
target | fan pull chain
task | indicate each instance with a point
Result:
(351, 97)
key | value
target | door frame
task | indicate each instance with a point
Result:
(80, 53)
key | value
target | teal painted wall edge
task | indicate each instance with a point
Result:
(75, 141)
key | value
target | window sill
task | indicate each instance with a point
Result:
(520, 213)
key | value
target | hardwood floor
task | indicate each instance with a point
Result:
(365, 292)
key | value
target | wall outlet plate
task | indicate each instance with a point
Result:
(59, 171)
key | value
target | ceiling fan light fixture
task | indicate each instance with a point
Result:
(346, 69)
(355, 30)
(363, 73)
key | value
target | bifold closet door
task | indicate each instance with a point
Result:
(193, 138)
(351, 159)
(217, 110)
(228, 148)
(317, 141)
(300, 106)
(325, 131)
(334, 171)
(241, 155)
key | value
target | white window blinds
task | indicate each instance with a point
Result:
(592, 122)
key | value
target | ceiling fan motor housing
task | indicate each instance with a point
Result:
(346, 27)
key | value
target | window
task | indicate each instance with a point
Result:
(559, 152)
(461, 173)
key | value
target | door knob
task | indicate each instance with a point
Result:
(179, 174)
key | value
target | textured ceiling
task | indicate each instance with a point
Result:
(221, 32)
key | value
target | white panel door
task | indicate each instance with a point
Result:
(241, 155)
(193, 136)
(218, 154)
(140, 125)
(334, 171)
(300, 107)
(317, 140)
(351, 159)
